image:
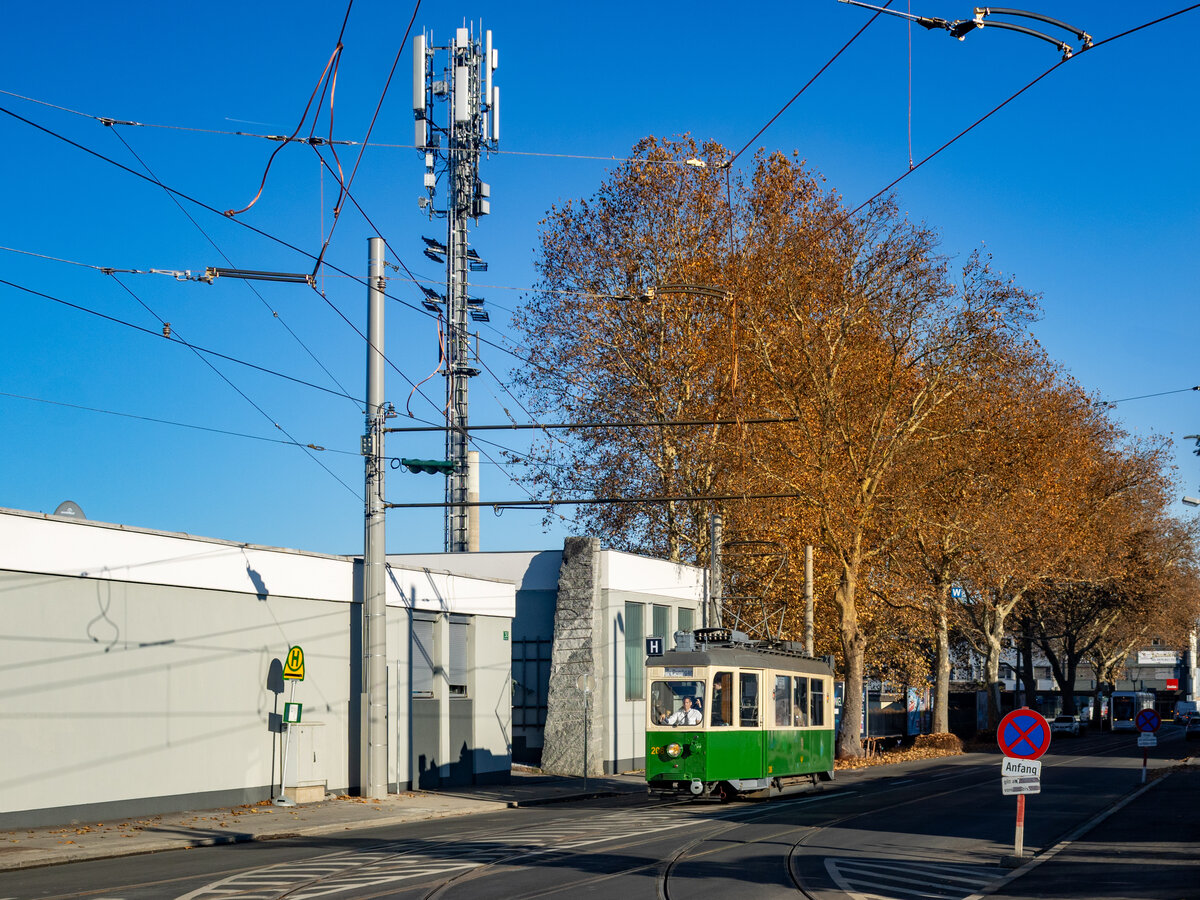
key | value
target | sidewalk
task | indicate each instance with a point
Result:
(265, 822)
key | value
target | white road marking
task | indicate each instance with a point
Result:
(400, 860)
(863, 878)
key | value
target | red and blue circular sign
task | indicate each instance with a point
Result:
(1147, 720)
(1024, 734)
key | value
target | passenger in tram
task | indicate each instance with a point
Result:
(687, 715)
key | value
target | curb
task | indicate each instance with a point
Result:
(545, 801)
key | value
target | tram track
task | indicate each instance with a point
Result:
(973, 777)
(343, 865)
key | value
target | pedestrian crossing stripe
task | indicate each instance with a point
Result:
(866, 878)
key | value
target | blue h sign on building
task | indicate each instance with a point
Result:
(654, 646)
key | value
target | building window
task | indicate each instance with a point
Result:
(422, 657)
(458, 656)
(687, 619)
(635, 635)
(661, 623)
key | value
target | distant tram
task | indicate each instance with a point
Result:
(1124, 706)
(727, 715)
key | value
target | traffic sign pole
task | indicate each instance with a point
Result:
(293, 671)
(1019, 839)
(1148, 722)
(1024, 734)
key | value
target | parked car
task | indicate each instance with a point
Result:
(1192, 730)
(1065, 725)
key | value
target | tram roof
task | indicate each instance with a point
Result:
(741, 656)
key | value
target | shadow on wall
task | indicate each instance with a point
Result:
(275, 719)
(256, 579)
(472, 767)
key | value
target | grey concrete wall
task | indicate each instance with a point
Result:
(127, 696)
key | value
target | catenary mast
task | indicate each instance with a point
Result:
(453, 149)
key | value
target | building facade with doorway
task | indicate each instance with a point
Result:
(579, 632)
(142, 671)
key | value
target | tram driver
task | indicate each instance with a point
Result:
(686, 715)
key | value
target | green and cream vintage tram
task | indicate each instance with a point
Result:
(728, 715)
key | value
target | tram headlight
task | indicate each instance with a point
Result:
(673, 750)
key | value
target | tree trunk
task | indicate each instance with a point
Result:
(991, 669)
(941, 683)
(1026, 674)
(849, 739)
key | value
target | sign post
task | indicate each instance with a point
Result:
(1148, 722)
(293, 671)
(1023, 735)
(586, 683)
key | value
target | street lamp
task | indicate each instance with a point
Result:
(1191, 501)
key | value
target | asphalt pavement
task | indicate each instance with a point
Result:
(1146, 846)
(264, 821)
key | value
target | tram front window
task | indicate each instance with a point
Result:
(677, 702)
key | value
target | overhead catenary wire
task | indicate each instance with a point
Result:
(1148, 396)
(806, 86)
(322, 85)
(221, 431)
(913, 168)
(204, 359)
(195, 347)
(1101, 42)
(318, 141)
(225, 256)
(344, 184)
(589, 501)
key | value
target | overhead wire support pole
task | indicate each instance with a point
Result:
(373, 727)
(471, 127)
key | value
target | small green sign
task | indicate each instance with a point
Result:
(506, 635)
(291, 713)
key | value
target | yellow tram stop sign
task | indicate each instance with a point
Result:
(293, 669)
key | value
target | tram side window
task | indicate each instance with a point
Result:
(801, 701)
(722, 699)
(749, 700)
(783, 701)
(818, 702)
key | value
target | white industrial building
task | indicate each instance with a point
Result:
(142, 670)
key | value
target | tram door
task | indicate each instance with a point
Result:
(750, 717)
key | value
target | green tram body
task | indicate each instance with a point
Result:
(750, 737)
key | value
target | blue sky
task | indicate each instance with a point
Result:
(1083, 188)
